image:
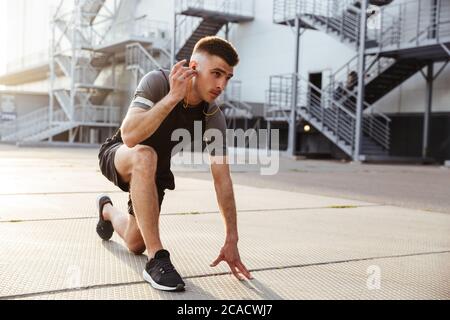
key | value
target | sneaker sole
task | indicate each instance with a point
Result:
(155, 285)
(97, 202)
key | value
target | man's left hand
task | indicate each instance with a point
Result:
(230, 254)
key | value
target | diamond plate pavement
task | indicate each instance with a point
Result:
(298, 246)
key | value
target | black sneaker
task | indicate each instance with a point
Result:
(161, 273)
(104, 228)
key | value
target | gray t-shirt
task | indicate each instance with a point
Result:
(152, 88)
(155, 85)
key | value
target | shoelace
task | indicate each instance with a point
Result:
(165, 266)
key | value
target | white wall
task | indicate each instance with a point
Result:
(410, 96)
(267, 49)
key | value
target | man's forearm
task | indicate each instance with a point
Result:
(227, 206)
(138, 127)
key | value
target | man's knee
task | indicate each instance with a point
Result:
(145, 159)
(137, 247)
(134, 241)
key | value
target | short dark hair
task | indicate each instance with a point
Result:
(217, 46)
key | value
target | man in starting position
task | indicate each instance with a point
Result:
(137, 157)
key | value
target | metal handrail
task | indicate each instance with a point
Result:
(37, 124)
(329, 112)
(338, 14)
(232, 100)
(379, 121)
(186, 26)
(97, 114)
(375, 65)
(142, 27)
(415, 23)
(137, 55)
(32, 123)
(235, 7)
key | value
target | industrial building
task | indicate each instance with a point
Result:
(337, 79)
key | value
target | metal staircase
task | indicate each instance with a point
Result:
(34, 125)
(195, 19)
(35, 67)
(141, 61)
(338, 18)
(409, 35)
(406, 46)
(382, 75)
(89, 39)
(232, 105)
(205, 28)
(330, 117)
(71, 57)
(91, 9)
(72, 51)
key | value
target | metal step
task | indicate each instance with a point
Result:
(80, 37)
(50, 132)
(328, 116)
(63, 98)
(91, 8)
(388, 80)
(206, 28)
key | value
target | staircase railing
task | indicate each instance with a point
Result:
(91, 8)
(339, 15)
(37, 121)
(98, 114)
(31, 123)
(279, 97)
(138, 57)
(328, 112)
(284, 10)
(233, 106)
(152, 30)
(82, 34)
(346, 75)
(32, 128)
(234, 7)
(64, 101)
(187, 24)
(85, 74)
(27, 120)
(413, 23)
(375, 124)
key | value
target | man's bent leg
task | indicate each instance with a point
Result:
(137, 166)
(126, 226)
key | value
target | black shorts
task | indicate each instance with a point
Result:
(106, 156)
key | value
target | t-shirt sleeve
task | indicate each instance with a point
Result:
(151, 90)
(215, 132)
